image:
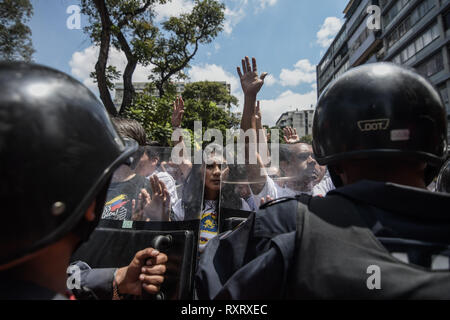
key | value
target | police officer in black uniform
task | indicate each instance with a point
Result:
(58, 151)
(381, 130)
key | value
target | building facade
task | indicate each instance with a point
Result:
(413, 33)
(301, 120)
(140, 87)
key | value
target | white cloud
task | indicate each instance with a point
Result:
(270, 80)
(264, 3)
(83, 63)
(328, 31)
(233, 17)
(303, 72)
(173, 8)
(236, 10)
(287, 101)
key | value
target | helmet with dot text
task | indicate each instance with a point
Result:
(380, 110)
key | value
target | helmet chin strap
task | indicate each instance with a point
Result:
(84, 228)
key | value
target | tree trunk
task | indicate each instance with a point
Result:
(160, 87)
(100, 67)
(128, 88)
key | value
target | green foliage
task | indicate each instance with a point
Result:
(154, 114)
(202, 101)
(307, 139)
(112, 76)
(15, 35)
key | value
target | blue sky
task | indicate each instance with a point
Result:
(288, 38)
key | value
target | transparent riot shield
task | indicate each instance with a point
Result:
(237, 200)
(298, 171)
(288, 170)
(151, 202)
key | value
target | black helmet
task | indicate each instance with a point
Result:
(58, 149)
(443, 181)
(380, 110)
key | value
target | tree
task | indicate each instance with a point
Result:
(15, 35)
(187, 32)
(154, 114)
(202, 101)
(129, 26)
(210, 91)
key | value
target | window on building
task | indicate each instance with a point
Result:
(394, 11)
(360, 40)
(432, 66)
(418, 44)
(418, 13)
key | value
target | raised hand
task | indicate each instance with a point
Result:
(158, 209)
(250, 82)
(290, 135)
(178, 112)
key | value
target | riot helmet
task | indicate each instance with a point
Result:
(58, 150)
(380, 110)
(443, 181)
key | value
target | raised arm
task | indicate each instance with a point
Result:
(177, 115)
(251, 84)
(251, 118)
(177, 119)
(290, 135)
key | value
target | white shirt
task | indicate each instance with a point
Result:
(323, 187)
(170, 184)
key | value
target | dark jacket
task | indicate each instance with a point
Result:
(96, 284)
(287, 251)
(14, 289)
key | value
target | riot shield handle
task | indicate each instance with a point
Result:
(160, 243)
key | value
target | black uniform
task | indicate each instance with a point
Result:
(58, 150)
(287, 252)
(16, 289)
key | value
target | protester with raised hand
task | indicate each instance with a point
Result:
(251, 83)
(290, 135)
